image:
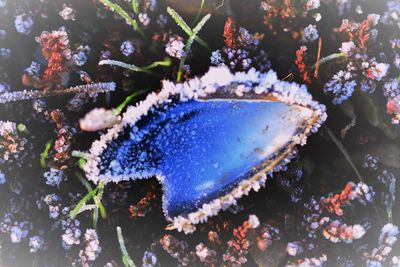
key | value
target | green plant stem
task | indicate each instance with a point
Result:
(98, 205)
(83, 181)
(45, 153)
(97, 200)
(185, 27)
(164, 63)
(82, 202)
(120, 11)
(119, 109)
(329, 58)
(145, 69)
(126, 259)
(135, 6)
(346, 155)
(123, 65)
(22, 128)
(80, 154)
(189, 43)
(199, 11)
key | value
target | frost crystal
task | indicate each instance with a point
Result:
(144, 19)
(341, 85)
(175, 47)
(311, 33)
(71, 233)
(93, 248)
(53, 177)
(98, 119)
(127, 48)
(36, 243)
(67, 12)
(23, 24)
(5, 52)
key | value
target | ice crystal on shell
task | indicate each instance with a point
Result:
(98, 119)
(185, 122)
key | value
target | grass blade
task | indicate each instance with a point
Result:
(189, 43)
(82, 202)
(199, 11)
(185, 27)
(126, 259)
(120, 11)
(179, 20)
(95, 217)
(146, 69)
(84, 181)
(135, 6)
(128, 99)
(164, 63)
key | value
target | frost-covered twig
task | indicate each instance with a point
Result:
(34, 94)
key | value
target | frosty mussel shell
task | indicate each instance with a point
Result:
(208, 141)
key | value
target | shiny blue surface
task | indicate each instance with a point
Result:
(203, 148)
